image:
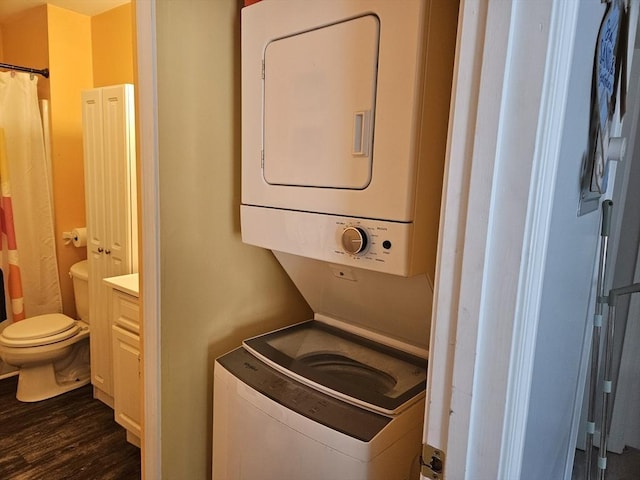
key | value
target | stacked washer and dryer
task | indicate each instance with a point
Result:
(344, 121)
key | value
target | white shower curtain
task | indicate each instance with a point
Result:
(30, 196)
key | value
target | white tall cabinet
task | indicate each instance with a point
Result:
(110, 192)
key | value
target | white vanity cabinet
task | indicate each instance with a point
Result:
(127, 367)
(110, 194)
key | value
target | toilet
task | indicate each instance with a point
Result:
(51, 350)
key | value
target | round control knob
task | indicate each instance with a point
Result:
(354, 240)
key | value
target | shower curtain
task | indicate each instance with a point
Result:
(28, 256)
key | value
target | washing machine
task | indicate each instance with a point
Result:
(317, 402)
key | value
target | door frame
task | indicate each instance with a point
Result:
(147, 102)
(485, 321)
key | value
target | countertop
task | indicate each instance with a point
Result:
(125, 283)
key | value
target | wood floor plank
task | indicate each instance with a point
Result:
(72, 436)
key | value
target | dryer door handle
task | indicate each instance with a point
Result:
(361, 133)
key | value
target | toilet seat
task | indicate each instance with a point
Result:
(40, 330)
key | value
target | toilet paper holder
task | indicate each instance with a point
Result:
(77, 236)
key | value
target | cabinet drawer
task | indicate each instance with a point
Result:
(126, 312)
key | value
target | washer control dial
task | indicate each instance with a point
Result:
(354, 240)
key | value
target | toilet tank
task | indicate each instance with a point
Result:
(79, 273)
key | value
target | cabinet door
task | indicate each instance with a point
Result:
(94, 171)
(126, 376)
(96, 199)
(119, 153)
(100, 325)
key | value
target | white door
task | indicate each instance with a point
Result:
(516, 267)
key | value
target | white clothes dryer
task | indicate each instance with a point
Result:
(344, 124)
(316, 402)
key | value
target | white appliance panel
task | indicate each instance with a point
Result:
(397, 106)
(319, 99)
(312, 449)
(395, 308)
(319, 236)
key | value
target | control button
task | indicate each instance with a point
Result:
(386, 244)
(354, 240)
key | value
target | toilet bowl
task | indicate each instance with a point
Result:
(51, 350)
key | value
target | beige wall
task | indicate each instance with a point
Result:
(215, 291)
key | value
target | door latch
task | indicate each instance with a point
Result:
(432, 462)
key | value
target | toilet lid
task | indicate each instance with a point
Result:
(40, 330)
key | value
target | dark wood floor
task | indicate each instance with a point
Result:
(71, 436)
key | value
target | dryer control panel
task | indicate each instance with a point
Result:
(365, 243)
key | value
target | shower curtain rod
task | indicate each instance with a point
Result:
(44, 72)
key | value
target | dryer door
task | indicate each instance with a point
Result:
(319, 105)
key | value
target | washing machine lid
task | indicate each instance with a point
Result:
(40, 330)
(344, 365)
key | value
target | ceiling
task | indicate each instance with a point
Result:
(9, 8)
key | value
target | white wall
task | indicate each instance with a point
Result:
(214, 290)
